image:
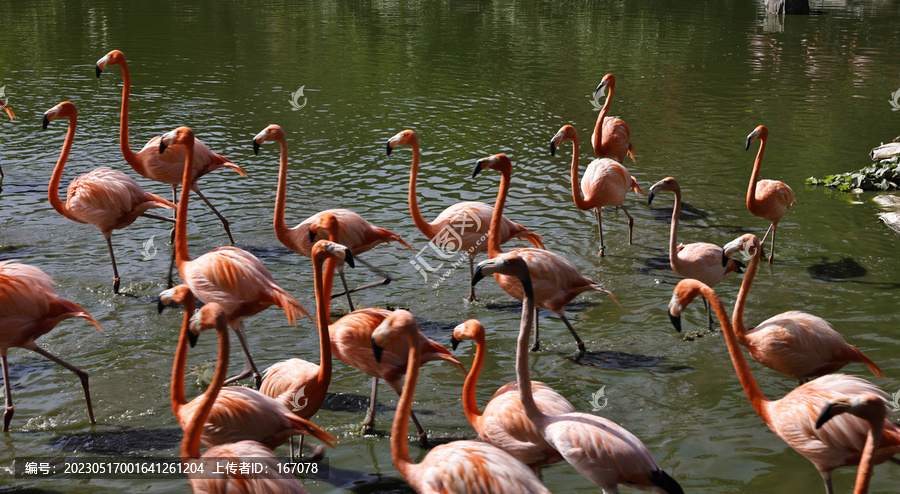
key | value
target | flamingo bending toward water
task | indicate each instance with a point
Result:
(103, 197)
(341, 225)
(793, 418)
(611, 137)
(503, 422)
(462, 226)
(556, 280)
(196, 426)
(699, 260)
(605, 182)
(166, 167)
(29, 309)
(459, 467)
(601, 450)
(797, 344)
(768, 199)
(231, 277)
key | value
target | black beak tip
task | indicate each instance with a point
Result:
(159, 306)
(724, 260)
(389, 149)
(377, 349)
(552, 149)
(255, 147)
(349, 259)
(192, 338)
(312, 237)
(46, 122)
(477, 276)
(747, 144)
(650, 198)
(676, 322)
(476, 170)
(824, 416)
(162, 146)
(454, 342)
(99, 70)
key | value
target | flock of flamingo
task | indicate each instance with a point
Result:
(833, 420)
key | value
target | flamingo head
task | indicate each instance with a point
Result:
(333, 249)
(761, 133)
(685, 292)
(510, 265)
(471, 329)
(210, 316)
(608, 81)
(273, 132)
(747, 243)
(178, 294)
(867, 406)
(398, 323)
(407, 137)
(668, 183)
(114, 57)
(499, 162)
(181, 135)
(566, 132)
(326, 224)
(64, 109)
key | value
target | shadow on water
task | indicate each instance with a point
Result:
(357, 482)
(348, 402)
(621, 360)
(688, 213)
(122, 442)
(842, 269)
(274, 254)
(28, 490)
(10, 252)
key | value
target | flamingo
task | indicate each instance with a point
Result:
(105, 198)
(601, 450)
(768, 199)
(196, 426)
(469, 467)
(870, 408)
(168, 167)
(462, 226)
(557, 281)
(344, 226)
(29, 309)
(503, 422)
(793, 418)
(232, 277)
(290, 380)
(605, 182)
(699, 260)
(611, 137)
(797, 344)
(9, 111)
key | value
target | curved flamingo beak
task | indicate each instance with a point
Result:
(255, 147)
(478, 165)
(162, 145)
(45, 122)
(676, 322)
(831, 410)
(454, 342)
(378, 350)
(750, 138)
(389, 148)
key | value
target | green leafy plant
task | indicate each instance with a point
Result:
(883, 175)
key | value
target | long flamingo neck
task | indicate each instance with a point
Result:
(425, 227)
(497, 216)
(737, 317)
(177, 394)
(127, 153)
(181, 248)
(190, 444)
(597, 136)
(756, 396)
(399, 447)
(53, 189)
(281, 229)
(673, 230)
(576, 191)
(322, 309)
(864, 473)
(523, 376)
(754, 176)
(470, 406)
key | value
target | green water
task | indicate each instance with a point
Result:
(472, 79)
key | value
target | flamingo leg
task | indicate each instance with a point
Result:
(471, 275)
(369, 422)
(578, 341)
(112, 257)
(387, 280)
(157, 217)
(537, 336)
(8, 413)
(346, 290)
(600, 227)
(630, 223)
(772, 254)
(172, 240)
(828, 488)
(423, 436)
(762, 242)
(214, 210)
(82, 375)
(250, 367)
(709, 320)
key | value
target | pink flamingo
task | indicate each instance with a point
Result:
(601, 450)
(699, 260)
(462, 226)
(556, 280)
(196, 424)
(870, 408)
(503, 422)
(470, 467)
(797, 344)
(611, 137)
(105, 198)
(793, 418)
(605, 182)
(341, 225)
(768, 199)
(29, 309)
(231, 277)
(167, 167)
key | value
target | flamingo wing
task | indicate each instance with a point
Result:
(605, 183)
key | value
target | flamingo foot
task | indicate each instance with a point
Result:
(423, 439)
(247, 372)
(602, 248)
(536, 347)
(116, 283)
(7, 418)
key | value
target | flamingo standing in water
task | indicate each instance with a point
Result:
(462, 226)
(793, 418)
(342, 226)
(459, 467)
(105, 198)
(29, 309)
(768, 199)
(556, 280)
(231, 277)
(167, 167)
(797, 344)
(196, 426)
(605, 182)
(699, 260)
(611, 137)
(503, 422)
(601, 450)
(870, 408)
